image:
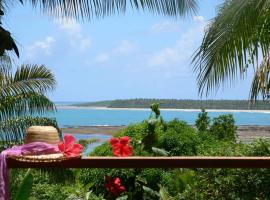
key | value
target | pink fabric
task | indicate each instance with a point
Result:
(34, 148)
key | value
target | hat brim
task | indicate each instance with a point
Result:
(57, 157)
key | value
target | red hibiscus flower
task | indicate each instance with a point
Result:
(121, 146)
(69, 147)
(114, 186)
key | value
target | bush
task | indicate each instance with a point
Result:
(179, 139)
(223, 128)
(203, 121)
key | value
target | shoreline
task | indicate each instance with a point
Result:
(246, 133)
(165, 109)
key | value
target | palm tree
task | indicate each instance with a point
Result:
(88, 9)
(22, 95)
(236, 39)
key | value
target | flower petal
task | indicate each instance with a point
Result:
(114, 141)
(61, 147)
(125, 140)
(69, 140)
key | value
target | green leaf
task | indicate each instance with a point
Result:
(87, 9)
(24, 190)
(150, 193)
(123, 198)
(160, 152)
(233, 41)
(164, 195)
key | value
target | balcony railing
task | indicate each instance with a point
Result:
(149, 162)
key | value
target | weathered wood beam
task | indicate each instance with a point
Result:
(149, 162)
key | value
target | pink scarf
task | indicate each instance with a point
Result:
(34, 148)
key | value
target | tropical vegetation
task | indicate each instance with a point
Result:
(173, 138)
(180, 104)
(22, 96)
(235, 40)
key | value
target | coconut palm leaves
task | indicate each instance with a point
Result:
(233, 41)
(7, 42)
(261, 80)
(23, 93)
(88, 9)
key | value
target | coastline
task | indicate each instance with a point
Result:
(246, 133)
(165, 109)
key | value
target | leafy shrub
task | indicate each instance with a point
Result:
(179, 139)
(176, 181)
(203, 121)
(223, 127)
(259, 148)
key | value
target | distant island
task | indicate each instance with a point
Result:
(181, 104)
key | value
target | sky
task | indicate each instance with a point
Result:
(134, 55)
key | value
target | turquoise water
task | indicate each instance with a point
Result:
(88, 117)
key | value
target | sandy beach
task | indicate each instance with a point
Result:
(167, 109)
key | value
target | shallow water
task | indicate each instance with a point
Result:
(90, 117)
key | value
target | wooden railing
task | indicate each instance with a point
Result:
(149, 162)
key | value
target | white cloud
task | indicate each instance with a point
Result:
(70, 26)
(41, 47)
(166, 56)
(165, 26)
(101, 58)
(74, 32)
(125, 47)
(182, 51)
(199, 19)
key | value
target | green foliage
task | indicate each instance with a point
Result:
(179, 139)
(176, 181)
(22, 95)
(12, 131)
(25, 188)
(223, 128)
(259, 148)
(203, 121)
(155, 109)
(181, 104)
(234, 41)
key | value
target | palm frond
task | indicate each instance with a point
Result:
(5, 64)
(7, 42)
(24, 104)
(13, 130)
(29, 78)
(233, 41)
(261, 81)
(87, 9)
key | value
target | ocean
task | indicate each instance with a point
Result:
(102, 117)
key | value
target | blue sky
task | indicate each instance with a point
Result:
(118, 57)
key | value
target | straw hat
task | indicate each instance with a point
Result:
(47, 134)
